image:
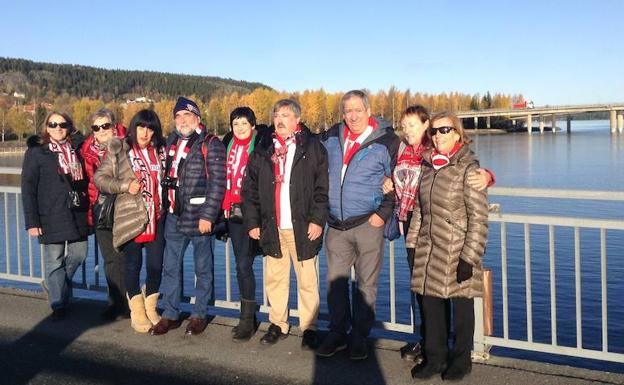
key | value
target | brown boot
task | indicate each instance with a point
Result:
(150, 307)
(138, 319)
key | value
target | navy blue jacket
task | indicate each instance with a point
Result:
(353, 200)
(200, 178)
(45, 195)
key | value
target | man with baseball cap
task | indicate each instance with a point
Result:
(193, 188)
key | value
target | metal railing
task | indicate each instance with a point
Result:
(24, 264)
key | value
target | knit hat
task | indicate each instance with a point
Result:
(186, 104)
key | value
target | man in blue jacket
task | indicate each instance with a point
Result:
(193, 185)
(362, 152)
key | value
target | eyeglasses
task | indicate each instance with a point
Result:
(441, 130)
(62, 125)
(104, 126)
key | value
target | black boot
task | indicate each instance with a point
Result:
(247, 324)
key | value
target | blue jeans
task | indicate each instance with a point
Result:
(60, 268)
(170, 286)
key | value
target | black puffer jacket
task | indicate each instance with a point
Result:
(308, 194)
(45, 195)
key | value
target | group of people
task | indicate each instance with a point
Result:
(276, 189)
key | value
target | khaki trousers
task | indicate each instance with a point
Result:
(277, 282)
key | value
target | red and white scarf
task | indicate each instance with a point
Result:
(279, 158)
(146, 164)
(439, 160)
(237, 158)
(178, 153)
(405, 177)
(352, 143)
(68, 163)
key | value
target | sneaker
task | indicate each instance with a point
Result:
(310, 340)
(332, 344)
(358, 350)
(273, 335)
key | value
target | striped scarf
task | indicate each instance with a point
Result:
(406, 176)
(176, 156)
(146, 164)
(67, 160)
(237, 155)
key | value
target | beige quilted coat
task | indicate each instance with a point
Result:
(113, 177)
(450, 221)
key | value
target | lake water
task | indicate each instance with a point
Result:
(590, 158)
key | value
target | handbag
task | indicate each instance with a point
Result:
(236, 213)
(104, 216)
(391, 229)
(488, 307)
(76, 199)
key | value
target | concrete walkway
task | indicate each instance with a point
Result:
(84, 350)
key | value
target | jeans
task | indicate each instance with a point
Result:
(153, 263)
(203, 256)
(244, 254)
(60, 265)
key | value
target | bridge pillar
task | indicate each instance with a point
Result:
(553, 123)
(541, 124)
(569, 124)
(613, 116)
(620, 122)
(488, 122)
(476, 122)
(529, 124)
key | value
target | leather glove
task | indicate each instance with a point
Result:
(464, 271)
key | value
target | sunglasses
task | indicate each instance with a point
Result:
(62, 125)
(441, 130)
(104, 126)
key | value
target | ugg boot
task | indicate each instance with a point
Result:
(138, 318)
(151, 301)
(247, 324)
(150, 308)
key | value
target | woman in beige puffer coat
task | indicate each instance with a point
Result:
(448, 231)
(133, 171)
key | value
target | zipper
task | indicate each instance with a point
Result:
(435, 174)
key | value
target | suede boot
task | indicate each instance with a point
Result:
(247, 324)
(138, 319)
(150, 307)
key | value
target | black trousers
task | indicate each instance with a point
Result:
(114, 268)
(436, 338)
(244, 252)
(153, 262)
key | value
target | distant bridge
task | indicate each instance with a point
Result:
(616, 112)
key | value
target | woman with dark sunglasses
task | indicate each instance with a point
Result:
(448, 232)
(93, 151)
(133, 169)
(54, 196)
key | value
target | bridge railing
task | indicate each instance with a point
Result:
(550, 294)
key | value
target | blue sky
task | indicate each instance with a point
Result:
(553, 52)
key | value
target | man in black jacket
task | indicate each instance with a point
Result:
(285, 207)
